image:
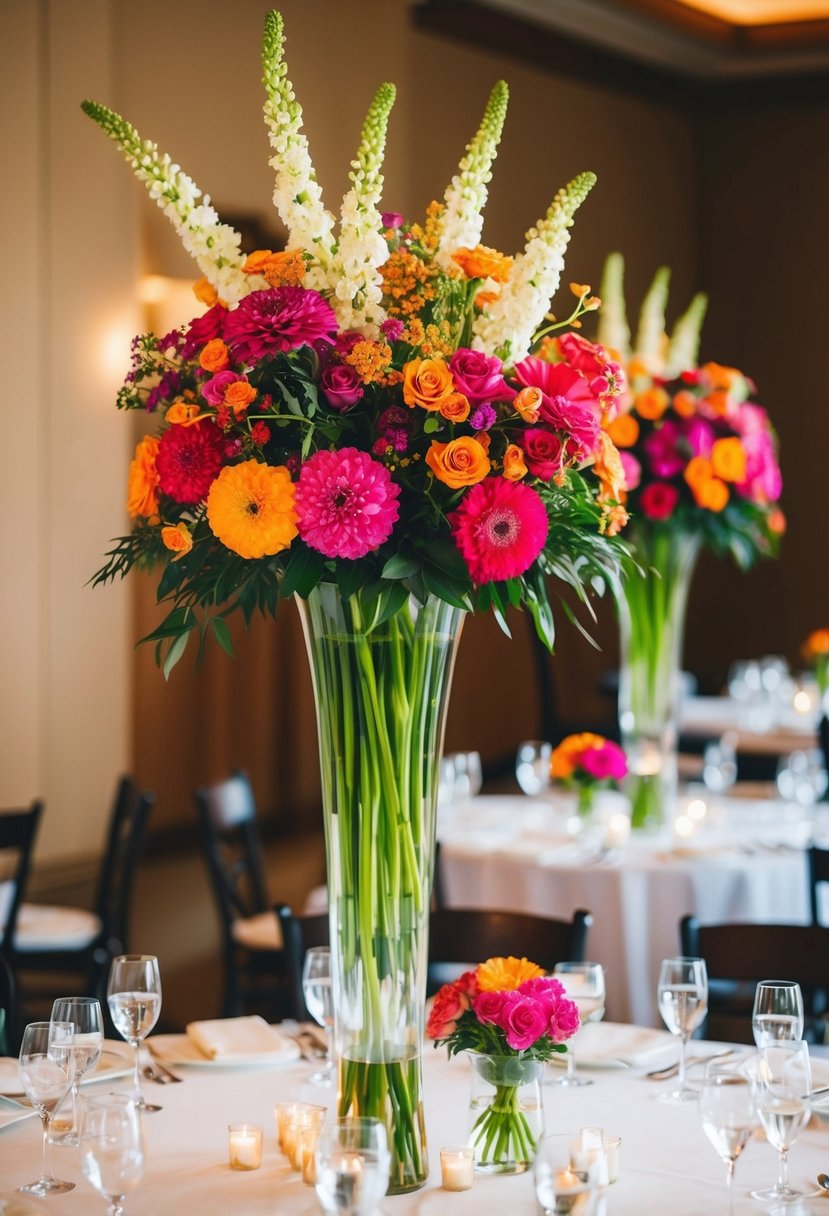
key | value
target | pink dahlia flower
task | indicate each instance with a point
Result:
(346, 503)
(279, 319)
(188, 459)
(500, 528)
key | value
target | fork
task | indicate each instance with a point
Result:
(154, 1070)
(665, 1074)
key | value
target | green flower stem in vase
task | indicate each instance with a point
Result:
(381, 685)
(506, 1112)
(585, 801)
(651, 611)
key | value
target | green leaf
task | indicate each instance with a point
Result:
(304, 569)
(174, 653)
(352, 576)
(221, 633)
(445, 587)
(391, 600)
(400, 567)
(178, 621)
(430, 425)
(446, 555)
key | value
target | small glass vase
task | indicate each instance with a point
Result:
(651, 609)
(586, 804)
(506, 1116)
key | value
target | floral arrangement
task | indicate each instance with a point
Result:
(586, 763)
(699, 455)
(386, 405)
(507, 1009)
(816, 652)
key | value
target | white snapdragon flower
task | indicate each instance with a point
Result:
(510, 322)
(466, 194)
(215, 246)
(613, 329)
(651, 341)
(683, 347)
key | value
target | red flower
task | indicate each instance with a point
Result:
(450, 1002)
(189, 457)
(658, 500)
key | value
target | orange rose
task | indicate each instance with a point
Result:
(652, 403)
(719, 401)
(483, 263)
(238, 396)
(528, 402)
(142, 482)
(178, 539)
(484, 439)
(685, 403)
(461, 462)
(455, 407)
(427, 383)
(624, 430)
(514, 466)
(215, 357)
(712, 494)
(205, 292)
(728, 456)
(182, 413)
(698, 470)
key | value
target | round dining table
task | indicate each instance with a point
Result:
(740, 859)
(666, 1162)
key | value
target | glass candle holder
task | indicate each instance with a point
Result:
(457, 1167)
(305, 1117)
(612, 1146)
(587, 1152)
(285, 1115)
(308, 1132)
(244, 1144)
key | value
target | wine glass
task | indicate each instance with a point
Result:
(134, 999)
(46, 1072)
(683, 1003)
(583, 984)
(729, 1114)
(85, 1013)
(801, 777)
(783, 1082)
(352, 1166)
(532, 765)
(561, 1186)
(719, 763)
(112, 1151)
(319, 1000)
(778, 1012)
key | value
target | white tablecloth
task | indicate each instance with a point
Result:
(515, 853)
(664, 1151)
(765, 731)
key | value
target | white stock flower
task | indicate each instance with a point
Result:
(466, 194)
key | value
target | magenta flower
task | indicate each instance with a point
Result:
(278, 319)
(662, 448)
(564, 1021)
(341, 385)
(482, 417)
(489, 1006)
(543, 452)
(347, 340)
(500, 528)
(764, 481)
(391, 219)
(346, 503)
(604, 375)
(479, 377)
(699, 435)
(605, 763)
(203, 329)
(658, 500)
(213, 390)
(632, 470)
(392, 328)
(523, 1020)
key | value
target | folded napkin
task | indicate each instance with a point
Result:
(224, 1038)
(605, 1044)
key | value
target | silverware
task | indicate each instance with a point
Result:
(154, 1070)
(823, 1181)
(665, 1074)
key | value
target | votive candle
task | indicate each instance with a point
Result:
(244, 1145)
(457, 1167)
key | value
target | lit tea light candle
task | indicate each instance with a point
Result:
(696, 809)
(617, 831)
(457, 1168)
(244, 1146)
(587, 1154)
(684, 827)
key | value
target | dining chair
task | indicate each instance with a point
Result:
(254, 958)
(739, 956)
(17, 837)
(9, 1020)
(81, 942)
(818, 863)
(300, 933)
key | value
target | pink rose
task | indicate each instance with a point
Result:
(448, 1006)
(605, 763)
(479, 377)
(564, 1021)
(213, 390)
(341, 385)
(658, 500)
(543, 452)
(632, 470)
(489, 1006)
(523, 1020)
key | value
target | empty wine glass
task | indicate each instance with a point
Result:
(802, 777)
(319, 1000)
(729, 1114)
(778, 1012)
(85, 1013)
(46, 1072)
(584, 984)
(352, 1166)
(562, 1187)
(719, 763)
(683, 1003)
(532, 765)
(783, 1082)
(112, 1151)
(134, 999)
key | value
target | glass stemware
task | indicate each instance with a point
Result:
(584, 984)
(319, 1000)
(112, 1151)
(532, 765)
(85, 1013)
(134, 999)
(778, 1012)
(46, 1072)
(682, 994)
(729, 1115)
(719, 764)
(783, 1082)
(352, 1166)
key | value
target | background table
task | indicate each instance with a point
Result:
(664, 1151)
(747, 863)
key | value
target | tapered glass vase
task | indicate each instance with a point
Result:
(381, 684)
(651, 610)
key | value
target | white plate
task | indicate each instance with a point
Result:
(617, 1045)
(113, 1063)
(179, 1049)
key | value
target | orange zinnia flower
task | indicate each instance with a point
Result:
(728, 457)
(142, 481)
(699, 469)
(564, 757)
(505, 974)
(712, 494)
(624, 430)
(250, 508)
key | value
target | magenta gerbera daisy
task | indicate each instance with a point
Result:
(281, 318)
(500, 528)
(346, 503)
(188, 459)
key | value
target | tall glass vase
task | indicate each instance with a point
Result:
(381, 689)
(651, 610)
